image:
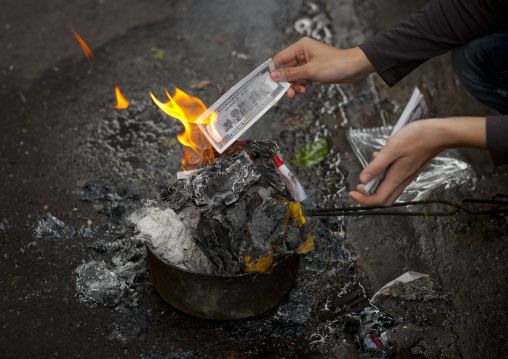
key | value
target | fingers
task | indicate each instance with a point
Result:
(291, 62)
(301, 59)
(287, 57)
(386, 194)
(380, 162)
(297, 87)
(399, 175)
(290, 74)
(293, 55)
(291, 93)
(391, 187)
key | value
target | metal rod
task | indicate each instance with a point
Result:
(389, 211)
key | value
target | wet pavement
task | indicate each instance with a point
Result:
(75, 280)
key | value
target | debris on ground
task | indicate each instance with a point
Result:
(50, 227)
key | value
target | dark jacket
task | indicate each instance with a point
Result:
(441, 26)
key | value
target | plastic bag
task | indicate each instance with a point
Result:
(446, 169)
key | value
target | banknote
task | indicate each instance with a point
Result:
(239, 108)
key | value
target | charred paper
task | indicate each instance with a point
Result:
(239, 108)
(232, 217)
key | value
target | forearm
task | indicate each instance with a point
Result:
(457, 132)
(358, 62)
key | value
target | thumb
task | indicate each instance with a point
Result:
(380, 162)
(289, 74)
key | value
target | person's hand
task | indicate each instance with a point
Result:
(411, 149)
(309, 60)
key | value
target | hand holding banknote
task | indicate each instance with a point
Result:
(309, 61)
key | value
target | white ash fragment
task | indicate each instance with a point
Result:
(170, 238)
(96, 283)
(122, 264)
(50, 227)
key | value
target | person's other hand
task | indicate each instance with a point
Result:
(411, 149)
(309, 60)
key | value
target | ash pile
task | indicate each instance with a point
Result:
(233, 216)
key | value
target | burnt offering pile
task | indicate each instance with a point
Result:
(228, 218)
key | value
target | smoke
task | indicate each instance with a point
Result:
(265, 31)
(259, 23)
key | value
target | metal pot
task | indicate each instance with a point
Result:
(222, 297)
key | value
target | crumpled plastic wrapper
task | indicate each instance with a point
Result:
(446, 169)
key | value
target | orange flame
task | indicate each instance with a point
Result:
(120, 99)
(212, 119)
(85, 48)
(187, 109)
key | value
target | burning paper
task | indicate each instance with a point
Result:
(240, 107)
(237, 212)
(187, 108)
(237, 208)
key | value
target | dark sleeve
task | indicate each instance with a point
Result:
(439, 27)
(497, 139)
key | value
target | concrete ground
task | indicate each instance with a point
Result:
(67, 154)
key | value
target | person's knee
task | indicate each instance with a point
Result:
(482, 67)
(485, 57)
(467, 62)
(460, 59)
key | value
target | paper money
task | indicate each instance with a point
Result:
(239, 108)
(416, 109)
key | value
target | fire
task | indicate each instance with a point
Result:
(211, 126)
(85, 48)
(120, 99)
(187, 109)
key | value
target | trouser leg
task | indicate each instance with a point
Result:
(482, 67)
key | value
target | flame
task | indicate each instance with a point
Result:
(85, 48)
(187, 109)
(211, 126)
(120, 99)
